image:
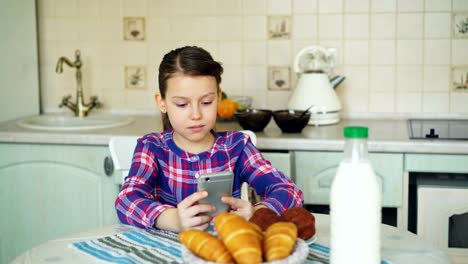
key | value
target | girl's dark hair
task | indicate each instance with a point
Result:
(188, 60)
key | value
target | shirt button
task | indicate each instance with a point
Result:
(197, 175)
(195, 158)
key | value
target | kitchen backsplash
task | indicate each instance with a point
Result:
(399, 57)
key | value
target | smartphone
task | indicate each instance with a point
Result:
(217, 184)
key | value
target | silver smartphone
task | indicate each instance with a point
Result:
(217, 184)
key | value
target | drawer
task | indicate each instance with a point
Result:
(315, 172)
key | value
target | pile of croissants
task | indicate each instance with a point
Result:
(241, 241)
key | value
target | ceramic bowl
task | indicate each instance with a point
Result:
(254, 119)
(291, 121)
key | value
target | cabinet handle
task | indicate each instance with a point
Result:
(108, 166)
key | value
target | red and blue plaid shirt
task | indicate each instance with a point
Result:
(162, 175)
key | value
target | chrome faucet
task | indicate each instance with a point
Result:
(79, 107)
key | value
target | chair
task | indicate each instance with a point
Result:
(122, 147)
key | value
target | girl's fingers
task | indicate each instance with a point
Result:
(192, 199)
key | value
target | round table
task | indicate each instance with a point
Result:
(397, 246)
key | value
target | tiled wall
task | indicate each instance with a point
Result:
(398, 55)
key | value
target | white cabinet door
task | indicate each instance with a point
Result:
(315, 172)
(51, 191)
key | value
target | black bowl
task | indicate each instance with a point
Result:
(291, 121)
(253, 119)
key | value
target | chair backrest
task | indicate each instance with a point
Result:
(122, 147)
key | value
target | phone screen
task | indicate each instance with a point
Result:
(217, 184)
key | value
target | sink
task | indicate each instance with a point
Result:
(73, 123)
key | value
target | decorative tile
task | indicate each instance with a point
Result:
(460, 79)
(460, 25)
(279, 27)
(279, 78)
(135, 77)
(134, 28)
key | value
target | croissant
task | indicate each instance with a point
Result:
(279, 240)
(240, 237)
(205, 245)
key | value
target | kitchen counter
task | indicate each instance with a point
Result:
(385, 135)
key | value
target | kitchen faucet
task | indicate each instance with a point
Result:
(79, 108)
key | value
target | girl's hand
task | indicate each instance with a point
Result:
(192, 214)
(239, 206)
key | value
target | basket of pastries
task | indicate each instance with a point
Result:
(237, 240)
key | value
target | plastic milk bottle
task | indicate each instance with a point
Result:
(355, 204)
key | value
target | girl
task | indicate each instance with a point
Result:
(161, 188)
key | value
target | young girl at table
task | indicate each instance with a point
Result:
(161, 188)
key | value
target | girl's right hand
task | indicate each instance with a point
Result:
(193, 214)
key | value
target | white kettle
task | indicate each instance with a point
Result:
(314, 65)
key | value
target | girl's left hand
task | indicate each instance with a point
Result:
(239, 206)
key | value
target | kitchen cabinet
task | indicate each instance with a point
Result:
(281, 161)
(315, 172)
(437, 187)
(51, 191)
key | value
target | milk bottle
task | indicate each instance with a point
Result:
(355, 204)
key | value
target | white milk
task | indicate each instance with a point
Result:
(355, 205)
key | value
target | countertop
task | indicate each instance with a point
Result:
(385, 135)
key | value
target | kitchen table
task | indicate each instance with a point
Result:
(397, 246)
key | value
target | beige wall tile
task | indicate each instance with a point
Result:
(305, 6)
(279, 52)
(382, 79)
(437, 25)
(330, 26)
(437, 52)
(382, 103)
(383, 26)
(255, 79)
(458, 102)
(356, 52)
(395, 49)
(408, 102)
(410, 6)
(305, 27)
(330, 6)
(356, 26)
(460, 5)
(435, 102)
(383, 5)
(409, 52)
(255, 53)
(356, 6)
(279, 7)
(255, 28)
(382, 52)
(410, 26)
(438, 5)
(227, 7)
(409, 79)
(257, 7)
(459, 51)
(436, 79)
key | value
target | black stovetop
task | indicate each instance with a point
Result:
(438, 129)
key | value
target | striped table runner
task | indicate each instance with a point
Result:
(156, 246)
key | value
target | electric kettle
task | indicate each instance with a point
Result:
(314, 66)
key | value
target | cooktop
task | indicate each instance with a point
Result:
(438, 129)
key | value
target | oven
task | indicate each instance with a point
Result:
(438, 201)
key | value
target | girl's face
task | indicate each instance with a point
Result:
(191, 103)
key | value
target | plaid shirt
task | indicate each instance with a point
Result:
(162, 175)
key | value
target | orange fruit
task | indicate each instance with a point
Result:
(227, 108)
